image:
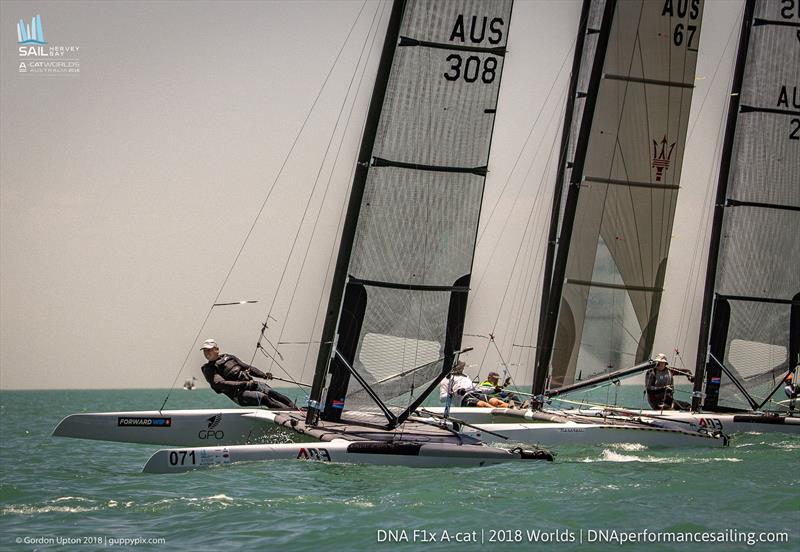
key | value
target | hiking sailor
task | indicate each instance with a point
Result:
(465, 392)
(228, 375)
(659, 385)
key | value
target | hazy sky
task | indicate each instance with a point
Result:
(128, 188)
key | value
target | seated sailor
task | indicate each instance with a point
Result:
(464, 392)
(228, 375)
(455, 385)
(659, 385)
(791, 389)
(491, 388)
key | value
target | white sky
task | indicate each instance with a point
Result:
(126, 191)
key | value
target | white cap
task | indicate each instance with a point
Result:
(209, 344)
(660, 357)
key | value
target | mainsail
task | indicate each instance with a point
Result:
(624, 160)
(751, 314)
(398, 298)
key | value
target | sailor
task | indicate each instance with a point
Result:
(465, 392)
(791, 389)
(659, 385)
(228, 375)
(491, 387)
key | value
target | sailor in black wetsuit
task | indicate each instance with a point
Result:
(229, 375)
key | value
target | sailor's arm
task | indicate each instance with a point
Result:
(252, 370)
(682, 372)
(236, 386)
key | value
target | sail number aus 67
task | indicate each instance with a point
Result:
(682, 33)
(471, 69)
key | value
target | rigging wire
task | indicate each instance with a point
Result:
(308, 202)
(530, 276)
(537, 201)
(256, 218)
(342, 211)
(521, 152)
(316, 182)
(694, 277)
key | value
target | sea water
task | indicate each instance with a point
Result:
(69, 494)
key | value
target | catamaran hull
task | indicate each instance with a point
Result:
(727, 423)
(231, 427)
(187, 428)
(429, 455)
(570, 433)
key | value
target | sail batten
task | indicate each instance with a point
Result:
(620, 182)
(640, 80)
(379, 162)
(405, 41)
(608, 285)
(736, 203)
(751, 109)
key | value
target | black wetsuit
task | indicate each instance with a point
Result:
(659, 388)
(234, 378)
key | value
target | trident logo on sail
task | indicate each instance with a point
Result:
(661, 159)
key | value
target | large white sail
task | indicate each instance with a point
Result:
(624, 181)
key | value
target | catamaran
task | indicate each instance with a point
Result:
(399, 289)
(749, 344)
(398, 299)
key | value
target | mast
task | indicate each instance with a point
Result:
(719, 204)
(552, 233)
(353, 207)
(548, 323)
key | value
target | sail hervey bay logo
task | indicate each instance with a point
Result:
(37, 56)
(662, 156)
(31, 33)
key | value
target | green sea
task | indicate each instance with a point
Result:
(72, 494)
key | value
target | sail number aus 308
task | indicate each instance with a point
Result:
(471, 69)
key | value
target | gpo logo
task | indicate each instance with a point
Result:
(211, 432)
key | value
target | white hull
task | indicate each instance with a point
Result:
(231, 427)
(185, 428)
(338, 450)
(548, 434)
(727, 423)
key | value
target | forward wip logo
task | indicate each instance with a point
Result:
(32, 33)
(662, 157)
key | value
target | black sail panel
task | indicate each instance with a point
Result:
(759, 244)
(412, 253)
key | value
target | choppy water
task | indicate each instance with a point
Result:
(64, 490)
